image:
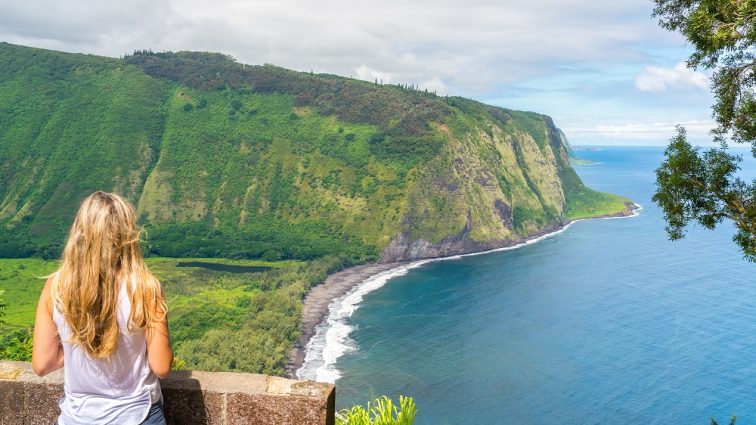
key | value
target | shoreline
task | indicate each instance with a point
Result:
(316, 302)
(316, 305)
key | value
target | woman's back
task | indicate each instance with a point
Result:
(118, 389)
(103, 315)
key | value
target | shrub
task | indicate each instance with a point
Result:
(17, 346)
(382, 412)
(178, 363)
(188, 107)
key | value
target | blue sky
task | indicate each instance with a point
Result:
(604, 71)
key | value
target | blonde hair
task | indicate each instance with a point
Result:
(101, 254)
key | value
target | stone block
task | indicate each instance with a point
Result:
(10, 371)
(258, 409)
(190, 398)
(11, 402)
(42, 402)
(190, 407)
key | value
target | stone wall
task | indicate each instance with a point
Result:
(221, 398)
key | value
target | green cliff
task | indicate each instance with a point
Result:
(231, 160)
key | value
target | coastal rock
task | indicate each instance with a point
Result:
(402, 248)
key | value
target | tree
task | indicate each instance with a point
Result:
(703, 187)
(2, 307)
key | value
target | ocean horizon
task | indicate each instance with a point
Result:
(601, 321)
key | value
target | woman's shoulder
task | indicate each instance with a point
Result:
(46, 296)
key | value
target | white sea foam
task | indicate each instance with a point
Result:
(331, 339)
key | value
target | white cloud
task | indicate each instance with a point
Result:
(435, 85)
(656, 132)
(657, 79)
(367, 74)
(471, 46)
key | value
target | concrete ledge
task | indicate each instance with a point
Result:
(221, 398)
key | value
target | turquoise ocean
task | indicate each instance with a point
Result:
(606, 322)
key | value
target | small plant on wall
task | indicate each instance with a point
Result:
(382, 411)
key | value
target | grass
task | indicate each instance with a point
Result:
(22, 280)
(588, 203)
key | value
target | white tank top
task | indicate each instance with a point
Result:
(119, 389)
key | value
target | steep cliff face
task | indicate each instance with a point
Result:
(224, 159)
(495, 183)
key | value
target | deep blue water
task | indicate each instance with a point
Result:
(607, 322)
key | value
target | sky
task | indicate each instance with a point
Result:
(604, 70)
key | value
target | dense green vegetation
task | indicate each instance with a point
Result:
(68, 123)
(258, 162)
(16, 345)
(238, 321)
(218, 320)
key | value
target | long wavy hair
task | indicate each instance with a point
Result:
(101, 254)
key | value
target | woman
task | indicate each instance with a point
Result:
(103, 313)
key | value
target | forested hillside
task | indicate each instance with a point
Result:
(230, 160)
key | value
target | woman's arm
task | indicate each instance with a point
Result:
(47, 351)
(159, 351)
